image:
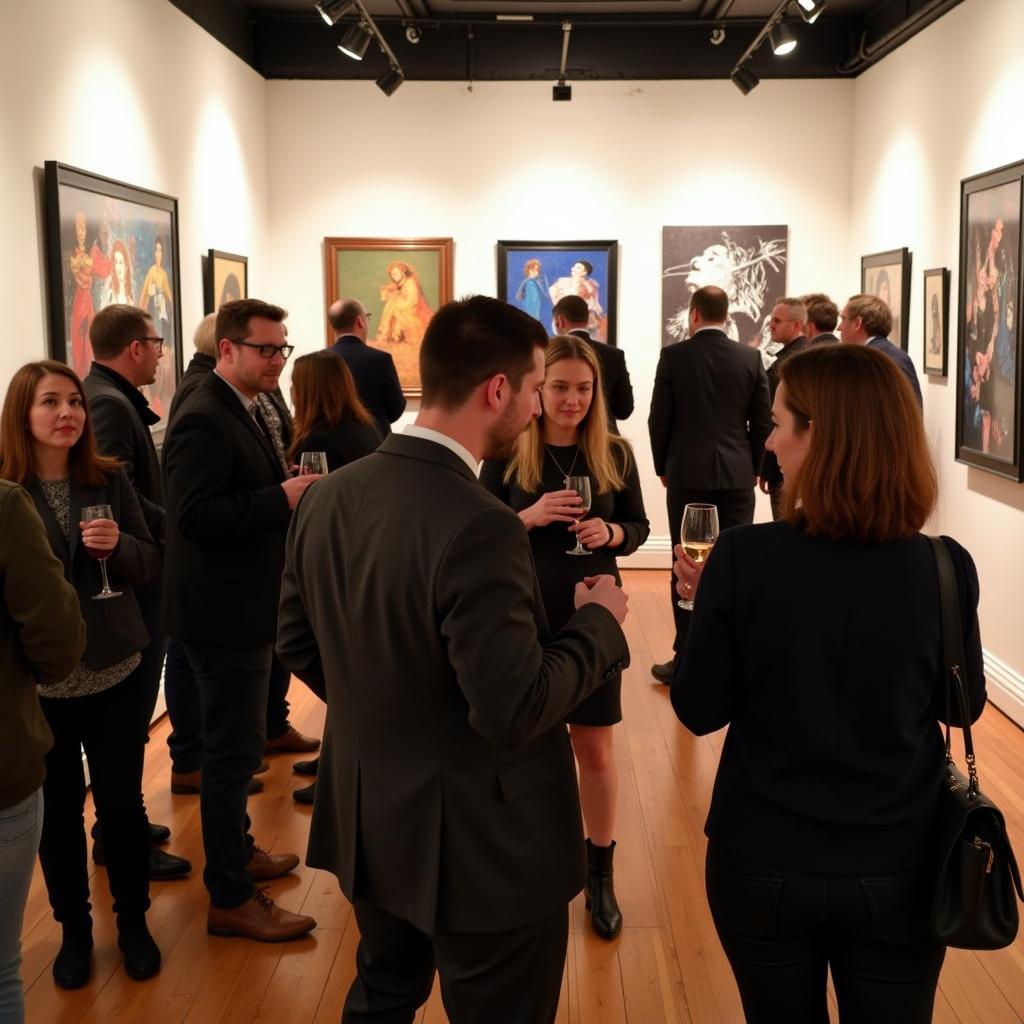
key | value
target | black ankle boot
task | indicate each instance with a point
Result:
(141, 953)
(73, 965)
(605, 916)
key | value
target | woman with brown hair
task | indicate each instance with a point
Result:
(47, 446)
(817, 640)
(571, 439)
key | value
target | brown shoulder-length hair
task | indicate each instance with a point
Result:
(17, 456)
(324, 392)
(868, 475)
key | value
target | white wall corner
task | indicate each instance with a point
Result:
(1005, 688)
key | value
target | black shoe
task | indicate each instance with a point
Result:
(141, 953)
(305, 795)
(255, 786)
(163, 865)
(605, 916)
(73, 965)
(158, 834)
(306, 767)
(665, 672)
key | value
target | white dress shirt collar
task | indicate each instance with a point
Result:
(429, 434)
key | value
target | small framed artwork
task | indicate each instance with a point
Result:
(887, 275)
(400, 282)
(936, 322)
(988, 363)
(535, 275)
(225, 278)
(108, 242)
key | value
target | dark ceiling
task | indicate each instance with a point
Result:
(470, 40)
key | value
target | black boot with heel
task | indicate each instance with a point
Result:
(605, 916)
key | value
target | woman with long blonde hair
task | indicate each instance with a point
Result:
(571, 439)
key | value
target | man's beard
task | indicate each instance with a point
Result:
(500, 443)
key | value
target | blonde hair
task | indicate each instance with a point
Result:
(607, 455)
(206, 336)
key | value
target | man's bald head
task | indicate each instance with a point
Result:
(347, 316)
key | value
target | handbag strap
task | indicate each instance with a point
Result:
(953, 656)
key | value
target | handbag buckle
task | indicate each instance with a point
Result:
(982, 845)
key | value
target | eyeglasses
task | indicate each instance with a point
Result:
(269, 351)
(367, 316)
(158, 343)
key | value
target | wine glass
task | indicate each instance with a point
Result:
(581, 485)
(89, 515)
(698, 536)
(313, 462)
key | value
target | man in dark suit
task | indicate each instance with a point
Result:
(446, 799)
(788, 325)
(710, 416)
(374, 371)
(229, 503)
(126, 353)
(867, 320)
(822, 317)
(570, 316)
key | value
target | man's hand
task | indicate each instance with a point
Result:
(603, 590)
(687, 573)
(295, 487)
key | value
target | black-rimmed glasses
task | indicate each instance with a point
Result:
(158, 343)
(269, 351)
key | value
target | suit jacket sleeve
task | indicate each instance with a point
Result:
(41, 602)
(394, 400)
(662, 416)
(296, 647)
(197, 465)
(620, 402)
(759, 416)
(516, 687)
(629, 512)
(136, 559)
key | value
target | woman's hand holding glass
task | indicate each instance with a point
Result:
(552, 507)
(592, 533)
(687, 572)
(100, 535)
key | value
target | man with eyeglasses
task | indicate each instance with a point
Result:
(867, 320)
(788, 325)
(126, 353)
(229, 503)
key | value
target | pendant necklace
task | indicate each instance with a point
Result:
(558, 465)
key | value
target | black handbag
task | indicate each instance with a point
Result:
(978, 881)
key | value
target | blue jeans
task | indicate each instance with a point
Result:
(20, 828)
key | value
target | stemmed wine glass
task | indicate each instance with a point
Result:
(581, 485)
(89, 515)
(698, 536)
(313, 462)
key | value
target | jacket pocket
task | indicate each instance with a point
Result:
(542, 766)
(747, 904)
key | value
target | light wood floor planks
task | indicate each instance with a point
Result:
(666, 968)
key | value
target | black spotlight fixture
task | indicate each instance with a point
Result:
(744, 79)
(332, 11)
(390, 81)
(355, 41)
(783, 41)
(811, 10)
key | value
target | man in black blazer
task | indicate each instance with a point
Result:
(867, 320)
(570, 316)
(446, 798)
(373, 370)
(126, 354)
(710, 416)
(822, 317)
(228, 507)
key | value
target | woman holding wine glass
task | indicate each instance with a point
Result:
(96, 528)
(571, 478)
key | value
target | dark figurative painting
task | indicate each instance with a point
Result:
(225, 279)
(887, 276)
(936, 321)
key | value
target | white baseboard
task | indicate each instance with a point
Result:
(1005, 688)
(655, 553)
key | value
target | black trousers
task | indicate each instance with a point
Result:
(109, 726)
(783, 930)
(735, 508)
(502, 978)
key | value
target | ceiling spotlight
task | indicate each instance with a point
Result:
(355, 41)
(332, 11)
(413, 34)
(390, 81)
(782, 39)
(717, 35)
(811, 10)
(744, 79)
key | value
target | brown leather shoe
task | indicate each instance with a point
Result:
(258, 918)
(264, 866)
(187, 784)
(291, 741)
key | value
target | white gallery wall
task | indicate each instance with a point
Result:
(945, 106)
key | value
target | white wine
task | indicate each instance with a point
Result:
(697, 550)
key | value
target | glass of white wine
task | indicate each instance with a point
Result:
(698, 536)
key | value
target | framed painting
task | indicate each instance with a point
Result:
(936, 321)
(535, 275)
(988, 367)
(110, 242)
(887, 275)
(400, 283)
(225, 278)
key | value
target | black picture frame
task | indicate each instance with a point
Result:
(95, 225)
(989, 297)
(935, 335)
(225, 277)
(556, 257)
(883, 266)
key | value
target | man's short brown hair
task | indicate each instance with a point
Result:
(233, 318)
(711, 303)
(875, 315)
(821, 311)
(115, 327)
(796, 307)
(573, 308)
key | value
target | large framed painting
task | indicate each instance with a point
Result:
(988, 420)
(535, 275)
(225, 278)
(400, 282)
(936, 321)
(887, 275)
(748, 263)
(110, 242)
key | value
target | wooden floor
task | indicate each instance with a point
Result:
(666, 966)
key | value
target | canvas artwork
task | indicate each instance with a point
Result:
(110, 242)
(748, 263)
(535, 275)
(988, 327)
(225, 279)
(401, 283)
(936, 322)
(887, 275)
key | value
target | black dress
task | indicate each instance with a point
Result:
(348, 441)
(559, 572)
